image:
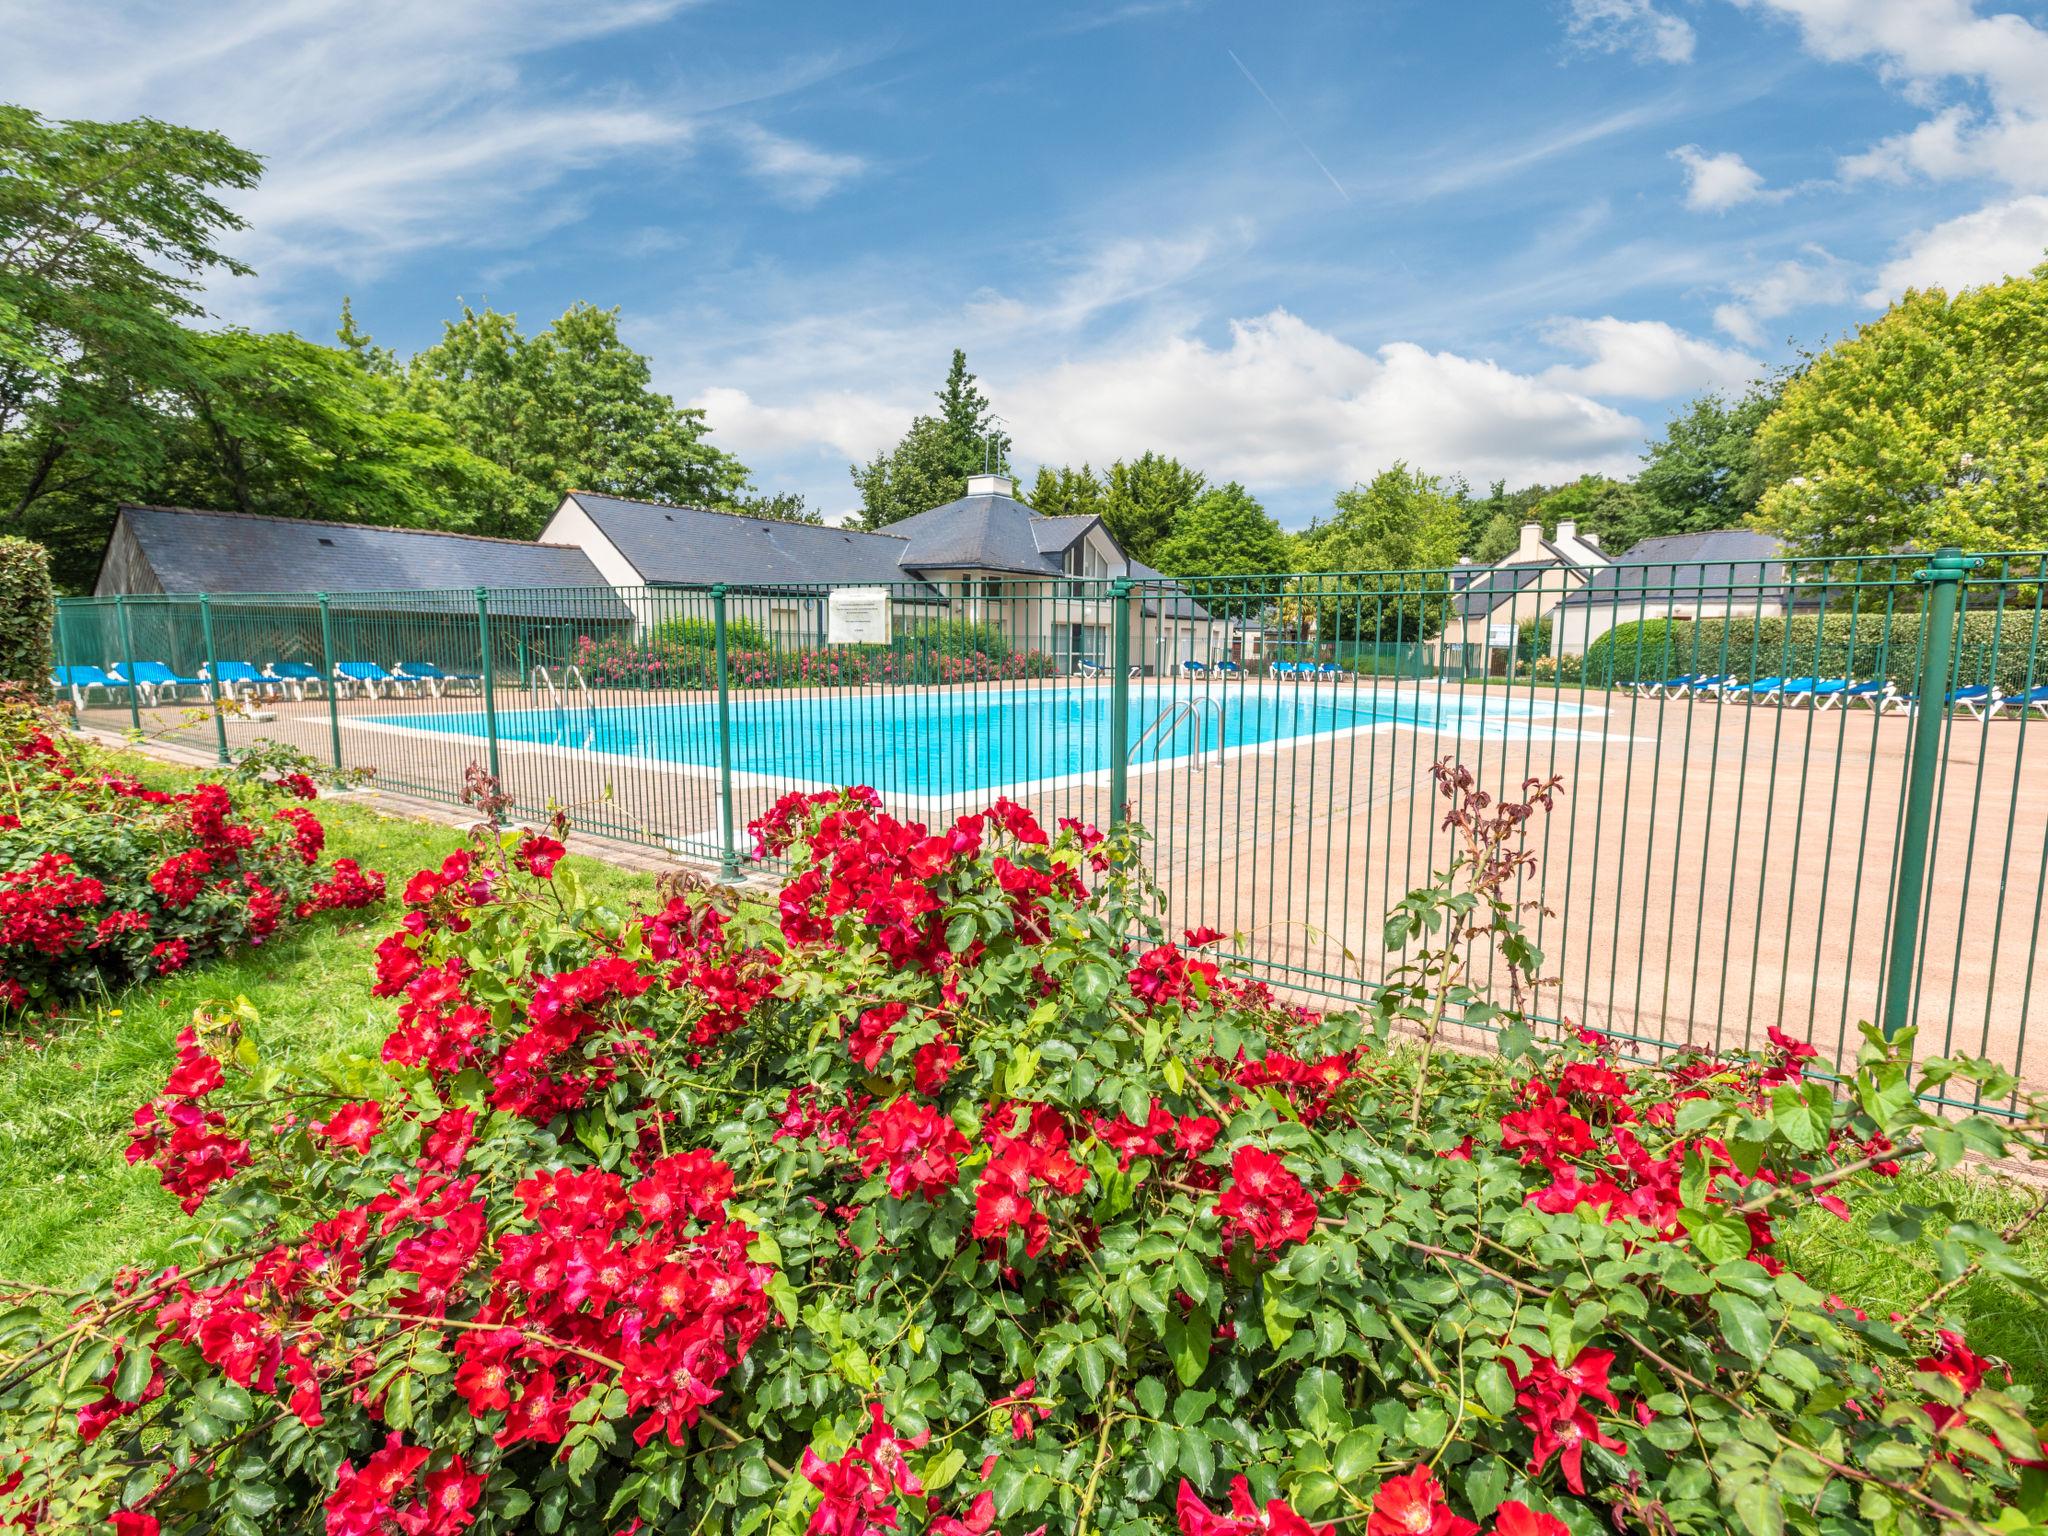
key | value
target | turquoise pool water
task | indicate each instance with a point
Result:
(951, 743)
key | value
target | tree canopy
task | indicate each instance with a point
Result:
(930, 464)
(1618, 513)
(1143, 497)
(570, 407)
(1929, 426)
(1402, 519)
(1225, 534)
(1704, 473)
(1066, 492)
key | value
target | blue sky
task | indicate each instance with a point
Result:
(1290, 243)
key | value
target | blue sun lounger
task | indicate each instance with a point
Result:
(296, 677)
(366, 676)
(79, 682)
(155, 681)
(434, 679)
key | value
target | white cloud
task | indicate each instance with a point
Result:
(1715, 183)
(2006, 239)
(1788, 286)
(797, 173)
(1925, 47)
(1630, 26)
(1280, 405)
(1642, 360)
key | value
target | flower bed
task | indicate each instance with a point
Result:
(104, 880)
(923, 1200)
(664, 663)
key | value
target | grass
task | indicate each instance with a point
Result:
(1883, 1275)
(68, 1090)
(75, 1209)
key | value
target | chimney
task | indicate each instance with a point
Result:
(1567, 530)
(1531, 547)
(991, 485)
(1590, 540)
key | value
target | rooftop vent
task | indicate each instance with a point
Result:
(327, 541)
(991, 485)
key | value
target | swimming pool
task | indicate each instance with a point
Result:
(990, 738)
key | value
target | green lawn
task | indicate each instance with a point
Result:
(73, 1207)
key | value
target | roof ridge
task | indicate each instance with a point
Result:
(757, 517)
(332, 522)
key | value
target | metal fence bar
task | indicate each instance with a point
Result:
(212, 691)
(721, 639)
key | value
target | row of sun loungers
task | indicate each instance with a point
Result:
(152, 682)
(1978, 702)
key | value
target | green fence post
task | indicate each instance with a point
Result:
(1944, 579)
(220, 720)
(128, 664)
(729, 863)
(483, 640)
(327, 681)
(1120, 696)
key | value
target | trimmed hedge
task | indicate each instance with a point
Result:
(28, 608)
(1864, 646)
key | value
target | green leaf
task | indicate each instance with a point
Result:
(1187, 1346)
(1356, 1454)
(1197, 1459)
(1759, 1508)
(1743, 1325)
(1152, 1396)
(1495, 1388)
(1162, 1448)
(1486, 1485)
(133, 1378)
(1720, 1235)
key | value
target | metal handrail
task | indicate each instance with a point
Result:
(1173, 714)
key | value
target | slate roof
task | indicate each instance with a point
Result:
(1488, 586)
(193, 549)
(989, 533)
(688, 546)
(1684, 567)
(1168, 599)
(1056, 535)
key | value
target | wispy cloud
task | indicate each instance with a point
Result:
(797, 173)
(1328, 174)
(1629, 26)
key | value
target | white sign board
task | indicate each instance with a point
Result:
(857, 616)
(1500, 634)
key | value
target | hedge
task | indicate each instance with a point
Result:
(1992, 648)
(27, 610)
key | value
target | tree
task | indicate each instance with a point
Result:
(1225, 534)
(1619, 513)
(282, 426)
(107, 232)
(1928, 427)
(783, 506)
(1704, 472)
(1142, 498)
(570, 408)
(1494, 526)
(1401, 522)
(1066, 492)
(930, 464)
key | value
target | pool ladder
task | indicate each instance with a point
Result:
(1167, 719)
(543, 681)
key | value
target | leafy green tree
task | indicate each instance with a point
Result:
(1494, 525)
(1143, 497)
(282, 426)
(570, 407)
(1619, 512)
(1066, 492)
(1226, 534)
(1928, 427)
(929, 466)
(1401, 521)
(783, 506)
(1705, 472)
(107, 232)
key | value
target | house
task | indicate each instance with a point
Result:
(983, 558)
(1679, 576)
(395, 594)
(1489, 604)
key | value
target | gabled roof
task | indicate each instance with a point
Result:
(989, 533)
(692, 547)
(1163, 596)
(1727, 563)
(1056, 535)
(1486, 587)
(194, 550)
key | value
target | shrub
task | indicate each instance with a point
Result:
(927, 1200)
(103, 880)
(28, 608)
(651, 663)
(741, 634)
(954, 637)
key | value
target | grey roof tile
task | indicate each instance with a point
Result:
(1728, 562)
(193, 550)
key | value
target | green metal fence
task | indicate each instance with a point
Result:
(1798, 794)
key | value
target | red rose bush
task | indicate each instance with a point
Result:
(104, 880)
(942, 1192)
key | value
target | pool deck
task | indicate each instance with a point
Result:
(1711, 870)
